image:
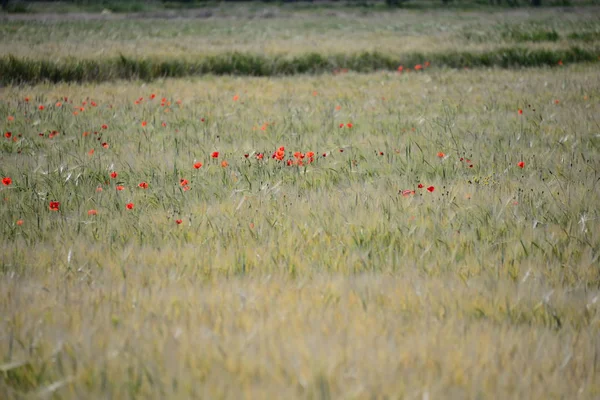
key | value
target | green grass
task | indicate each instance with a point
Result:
(322, 279)
(585, 36)
(20, 71)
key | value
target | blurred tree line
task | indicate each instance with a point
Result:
(390, 3)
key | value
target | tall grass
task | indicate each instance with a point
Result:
(17, 70)
(312, 281)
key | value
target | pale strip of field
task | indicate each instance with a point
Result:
(293, 33)
(195, 48)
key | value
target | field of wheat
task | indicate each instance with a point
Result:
(349, 228)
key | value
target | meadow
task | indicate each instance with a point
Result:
(359, 230)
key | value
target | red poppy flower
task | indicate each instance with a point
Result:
(324, 154)
(400, 68)
(279, 155)
(521, 164)
(8, 135)
(198, 165)
(6, 181)
(19, 222)
(104, 126)
(91, 152)
(407, 192)
(260, 156)
(54, 206)
(430, 189)
(113, 174)
(215, 154)
(186, 188)
(281, 148)
(420, 186)
(105, 145)
(99, 189)
(26, 99)
(129, 206)
(236, 97)
(144, 123)
(164, 124)
(152, 96)
(183, 182)
(178, 221)
(224, 164)
(119, 187)
(427, 63)
(520, 112)
(341, 125)
(441, 154)
(40, 107)
(560, 62)
(92, 212)
(349, 125)
(143, 185)
(93, 103)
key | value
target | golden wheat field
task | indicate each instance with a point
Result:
(423, 232)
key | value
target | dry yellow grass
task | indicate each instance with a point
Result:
(408, 335)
